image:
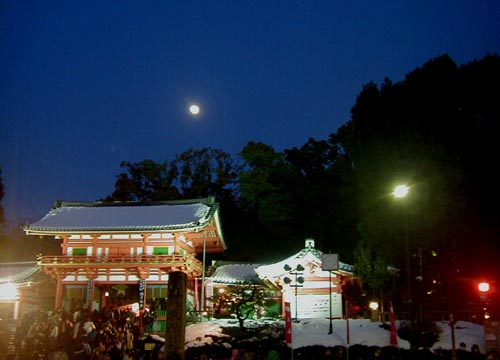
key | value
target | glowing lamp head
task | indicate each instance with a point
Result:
(373, 305)
(401, 191)
(483, 287)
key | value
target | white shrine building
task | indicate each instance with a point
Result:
(299, 280)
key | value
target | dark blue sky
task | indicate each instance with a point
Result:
(87, 84)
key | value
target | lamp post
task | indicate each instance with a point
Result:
(374, 308)
(484, 288)
(202, 305)
(299, 280)
(330, 262)
(400, 192)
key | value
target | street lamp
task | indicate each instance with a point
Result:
(299, 280)
(484, 288)
(374, 308)
(400, 192)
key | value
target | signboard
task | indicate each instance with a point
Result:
(142, 285)
(314, 306)
(330, 262)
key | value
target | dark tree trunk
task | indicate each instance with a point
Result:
(176, 316)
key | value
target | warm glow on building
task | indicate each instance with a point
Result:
(9, 292)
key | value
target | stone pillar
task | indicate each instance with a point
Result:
(176, 316)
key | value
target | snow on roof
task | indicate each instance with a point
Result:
(235, 273)
(128, 216)
(307, 255)
(17, 273)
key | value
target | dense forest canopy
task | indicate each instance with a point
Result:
(436, 131)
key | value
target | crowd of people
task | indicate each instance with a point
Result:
(108, 334)
(119, 334)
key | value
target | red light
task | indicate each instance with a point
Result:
(484, 287)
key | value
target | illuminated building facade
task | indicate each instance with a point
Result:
(23, 288)
(298, 280)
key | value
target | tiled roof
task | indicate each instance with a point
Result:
(307, 254)
(129, 216)
(235, 274)
(318, 253)
(17, 273)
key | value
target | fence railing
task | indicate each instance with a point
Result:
(188, 261)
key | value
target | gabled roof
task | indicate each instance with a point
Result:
(235, 274)
(70, 217)
(308, 254)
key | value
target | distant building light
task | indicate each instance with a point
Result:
(483, 287)
(9, 292)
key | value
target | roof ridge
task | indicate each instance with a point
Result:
(210, 200)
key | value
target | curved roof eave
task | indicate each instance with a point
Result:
(96, 218)
(135, 229)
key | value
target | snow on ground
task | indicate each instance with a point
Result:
(201, 334)
(361, 331)
(466, 332)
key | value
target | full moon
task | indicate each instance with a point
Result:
(194, 109)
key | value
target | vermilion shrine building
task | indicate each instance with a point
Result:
(125, 251)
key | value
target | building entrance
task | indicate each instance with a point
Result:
(117, 296)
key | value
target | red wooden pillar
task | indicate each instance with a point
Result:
(59, 291)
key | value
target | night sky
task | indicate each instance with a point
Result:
(87, 84)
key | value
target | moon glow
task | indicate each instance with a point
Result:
(194, 109)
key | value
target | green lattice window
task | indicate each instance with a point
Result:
(160, 251)
(80, 251)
